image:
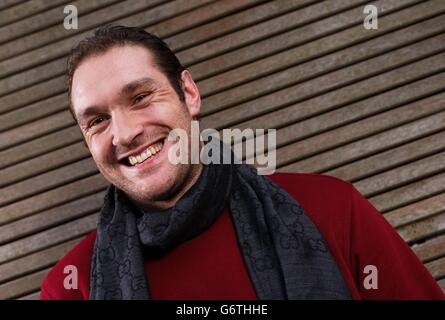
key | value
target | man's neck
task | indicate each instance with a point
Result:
(163, 204)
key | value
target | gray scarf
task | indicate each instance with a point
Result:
(285, 255)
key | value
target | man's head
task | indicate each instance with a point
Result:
(127, 91)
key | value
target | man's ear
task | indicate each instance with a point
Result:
(191, 94)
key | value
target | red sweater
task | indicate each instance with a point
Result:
(211, 266)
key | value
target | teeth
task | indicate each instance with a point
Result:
(148, 153)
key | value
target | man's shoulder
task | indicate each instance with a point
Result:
(78, 260)
(326, 199)
(312, 182)
(81, 252)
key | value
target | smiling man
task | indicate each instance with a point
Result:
(214, 231)
(111, 93)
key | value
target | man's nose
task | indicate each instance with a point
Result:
(125, 129)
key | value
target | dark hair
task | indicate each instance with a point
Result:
(107, 37)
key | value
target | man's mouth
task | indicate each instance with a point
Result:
(145, 155)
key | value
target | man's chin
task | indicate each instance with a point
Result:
(151, 195)
(154, 190)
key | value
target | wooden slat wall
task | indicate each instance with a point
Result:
(367, 106)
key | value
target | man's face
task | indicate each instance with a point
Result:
(126, 108)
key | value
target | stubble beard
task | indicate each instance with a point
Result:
(171, 189)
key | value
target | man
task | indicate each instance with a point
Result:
(217, 231)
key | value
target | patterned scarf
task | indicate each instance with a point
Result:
(284, 253)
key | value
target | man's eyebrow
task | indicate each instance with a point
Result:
(133, 85)
(126, 89)
(88, 111)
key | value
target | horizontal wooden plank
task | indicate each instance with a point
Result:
(143, 10)
(344, 147)
(402, 175)
(208, 11)
(45, 162)
(437, 268)
(22, 97)
(430, 249)
(57, 66)
(35, 261)
(317, 139)
(47, 17)
(48, 180)
(39, 146)
(49, 218)
(22, 286)
(414, 212)
(37, 74)
(31, 296)
(9, 3)
(34, 111)
(263, 30)
(316, 48)
(56, 85)
(323, 92)
(211, 12)
(25, 10)
(42, 36)
(36, 129)
(52, 198)
(346, 104)
(228, 23)
(286, 78)
(47, 238)
(390, 158)
(424, 228)
(360, 128)
(32, 94)
(23, 79)
(321, 30)
(184, 21)
(410, 193)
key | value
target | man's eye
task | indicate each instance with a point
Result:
(96, 121)
(139, 98)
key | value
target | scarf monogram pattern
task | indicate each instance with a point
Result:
(285, 255)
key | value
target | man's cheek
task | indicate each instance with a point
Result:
(98, 151)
